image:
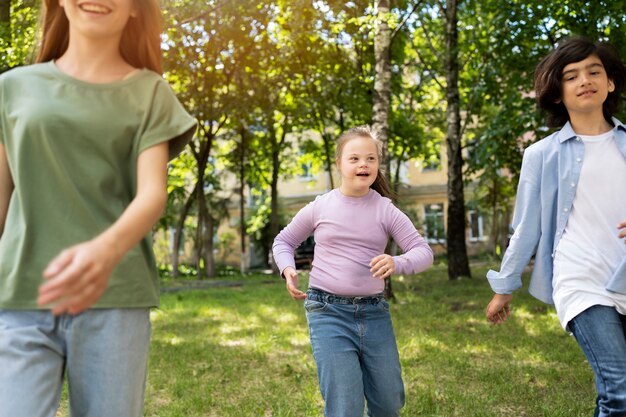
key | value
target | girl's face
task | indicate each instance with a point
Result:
(97, 19)
(358, 166)
(585, 86)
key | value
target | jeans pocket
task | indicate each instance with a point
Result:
(312, 306)
(383, 305)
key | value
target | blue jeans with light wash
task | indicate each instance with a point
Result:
(356, 354)
(601, 333)
(104, 354)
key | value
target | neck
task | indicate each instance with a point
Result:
(590, 124)
(349, 192)
(94, 60)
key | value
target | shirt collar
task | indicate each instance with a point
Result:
(567, 132)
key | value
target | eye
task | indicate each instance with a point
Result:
(371, 158)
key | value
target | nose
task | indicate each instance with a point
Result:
(584, 79)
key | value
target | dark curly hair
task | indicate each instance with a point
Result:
(549, 76)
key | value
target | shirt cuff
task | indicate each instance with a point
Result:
(501, 285)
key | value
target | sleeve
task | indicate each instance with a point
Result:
(167, 121)
(286, 242)
(417, 255)
(526, 225)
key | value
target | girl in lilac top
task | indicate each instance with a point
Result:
(349, 323)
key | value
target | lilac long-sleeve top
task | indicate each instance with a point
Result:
(348, 233)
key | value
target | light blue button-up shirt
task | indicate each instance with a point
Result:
(546, 190)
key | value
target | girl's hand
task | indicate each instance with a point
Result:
(291, 279)
(382, 266)
(622, 230)
(78, 277)
(498, 309)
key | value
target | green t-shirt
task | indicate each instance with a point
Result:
(72, 148)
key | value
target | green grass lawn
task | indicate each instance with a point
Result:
(244, 351)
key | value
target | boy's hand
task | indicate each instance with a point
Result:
(498, 309)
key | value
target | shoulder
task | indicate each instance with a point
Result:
(326, 198)
(153, 82)
(546, 144)
(384, 206)
(545, 149)
(25, 72)
(380, 201)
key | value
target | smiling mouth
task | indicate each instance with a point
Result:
(587, 93)
(94, 8)
(362, 174)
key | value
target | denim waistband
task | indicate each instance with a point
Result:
(326, 297)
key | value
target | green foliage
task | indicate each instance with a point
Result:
(267, 68)
(258, 224)
(17, 34)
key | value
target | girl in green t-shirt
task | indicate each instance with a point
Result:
(85, 137)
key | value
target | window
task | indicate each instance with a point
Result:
(433, 223)
(431, 164)
(475, 226)
(403, 172)
(305, 171)
(306, 167)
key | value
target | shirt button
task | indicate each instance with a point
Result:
(578, 138)
(573, 184)
(566, 209)
(578, 160)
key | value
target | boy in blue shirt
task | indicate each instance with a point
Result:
(570, 212)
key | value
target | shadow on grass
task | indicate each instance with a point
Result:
(244, 351)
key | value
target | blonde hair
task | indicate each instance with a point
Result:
(140, 45)
(381, 184)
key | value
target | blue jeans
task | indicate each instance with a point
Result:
(103, 352)
(356, 355)
(601, 333)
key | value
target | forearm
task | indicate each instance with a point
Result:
(136, 221)
(147, 206)
(416, 260)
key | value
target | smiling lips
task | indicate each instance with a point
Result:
(586, 93)
(363, 174)
(94, 8)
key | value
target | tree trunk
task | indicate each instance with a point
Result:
(382, 92)
(243, 264)
(495, 218)
(209, 262)
(178, 233)
(200, 232)
(274, 218)
(330, 160)
(458, 263)
(201, 158)
(382, 82)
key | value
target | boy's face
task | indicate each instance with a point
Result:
(585, 86)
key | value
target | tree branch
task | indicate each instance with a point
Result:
(404, 20)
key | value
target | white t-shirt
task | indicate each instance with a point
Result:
(590, 250)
